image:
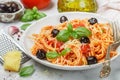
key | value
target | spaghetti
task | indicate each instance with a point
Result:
(100, 39)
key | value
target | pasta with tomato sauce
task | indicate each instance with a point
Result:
(74, 43)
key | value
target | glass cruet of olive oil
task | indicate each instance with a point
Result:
(77, 5)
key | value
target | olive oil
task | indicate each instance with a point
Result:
(77, 5)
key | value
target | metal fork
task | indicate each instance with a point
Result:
(106, 69)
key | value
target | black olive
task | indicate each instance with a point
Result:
(3, 8)
(91, 60)
(84, 39)
(14, 7)
(92, 21)
(10, 10)
(54, 32)
(9, 7)
(13, 4)
(2, 5)
(63, 19)
(41, 54)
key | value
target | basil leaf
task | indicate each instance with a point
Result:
(39, 15)
(52, 54)
(70, 27)
(27, 17)
(63, 36)
(81, 34)
(27, 71)
(28, 12)
(65, 51)
(32, 14)
(74, 34)
(42, 14)
(25, 26)
(82, 31)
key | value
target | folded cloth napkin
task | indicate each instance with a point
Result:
(109, 9)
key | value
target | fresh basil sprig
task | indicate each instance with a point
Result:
(65, 51)
(74, 34)
(27, 71)
(25, 26)
(64, 35)
(32, 14)
(82, 31)
(70, 27)
(54, 54)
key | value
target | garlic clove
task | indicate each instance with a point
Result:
(12, 30)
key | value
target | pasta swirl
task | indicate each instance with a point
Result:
(100, 39)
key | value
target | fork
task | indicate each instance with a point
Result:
(106, 69)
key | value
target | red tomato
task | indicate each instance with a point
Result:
(85, 48)
(59, 44)
(50, 42)
(40, 4)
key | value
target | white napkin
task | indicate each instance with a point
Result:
(109, 8)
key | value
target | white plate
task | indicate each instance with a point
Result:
(54, 20)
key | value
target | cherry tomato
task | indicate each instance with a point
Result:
(59, 44)
(85, 48)
(40, 4)
(50, 42)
